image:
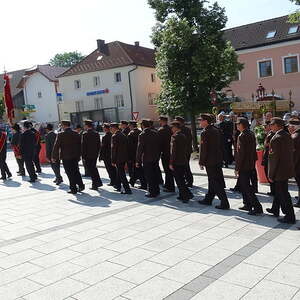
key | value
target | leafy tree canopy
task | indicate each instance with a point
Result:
(67, 59)
(295, 17)
(192, 57)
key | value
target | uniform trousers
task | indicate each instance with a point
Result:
(188, 173)
(272, 188)
(91, 165)
(121, 177)
(150, 169)
(136, 173)
(30, 168)
(184, 192)
(20, 162)
(253, 180)
(159, 174)
(111, 171)
(282, 199)
(4, 168)
(36, 160)
(216, 184)
(56, 170)
(248, 191)
(72, 170)
(169, 178)
(86, 171)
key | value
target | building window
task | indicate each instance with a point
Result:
(118, 77)
(77, 84)
(119, 101)
(39, 94)
(151, 98)
(98, 103)
(237, 76)
(291, 64)
(153, 77)
(96, 80)
(265, 68)
(293, 29)
(79, 106)
(271, 34)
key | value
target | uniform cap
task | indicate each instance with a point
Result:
(176, 124)
(132, 122)
(66, 122)
(27, 124)
(294, 121)
(206, 117)
(277, 121)
(124, 122)
(163, 118)
(88, 122)
(49, 127)
(114, 125)
(243, 121)
(180, 119)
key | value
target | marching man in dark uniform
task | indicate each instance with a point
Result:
(294, 129)
(164, 135)
(80, 131)
(124, 127)
(90, 150)
(15, 143)
(245, 164)
(67, 147)
(211, 157)
(148, 152)
(5, 173)
(134, 172)
(178, 161)
(188, 134)
(281, 169)
(27, 150)
(38, 147)
(50, 141)
(119, 157)
(105, 155)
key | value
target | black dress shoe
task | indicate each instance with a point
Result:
(81, 188)
(222, 207)
(168, 191)
(9, 175)
(150, 196)
(297, 204)
(254, 212)
(245, 208)
(94, 188)
(286, 221)
(72, 192)
(110, 184)
(117, 189)
(59, 181)
(190, 185)
(32, 180)
(270, 194)
(2, 178)
(270, 211)
(234, 190)
(142, 187)
(100, 184)
(55, 180)
(126, 193)
(204, 202)
(132, 183)
(21, 174)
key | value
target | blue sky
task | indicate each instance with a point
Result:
(35, 30)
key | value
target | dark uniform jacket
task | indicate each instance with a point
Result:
(148, 150)
(189, 139)
(27, 145)
(178, 149)
(296, 140)
(50, 141)
(67, 145)
(267, 148)
(16, 139)
(4, 148)
(119, 148)
(105, 152)
(226, 128)
(90, 144)
(164, 135)
(37, 139)
(281, 164)
(246, 151)
(133, 138)
(211, 152)
(126, 131)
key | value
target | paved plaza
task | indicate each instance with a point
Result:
(102, 245)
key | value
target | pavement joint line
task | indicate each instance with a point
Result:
(211, 275)
(81, 221)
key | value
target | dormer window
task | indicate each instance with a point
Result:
(293, 29)
(271, 34)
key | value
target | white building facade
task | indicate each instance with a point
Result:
(121, 88)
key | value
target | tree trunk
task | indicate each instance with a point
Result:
(194, 132)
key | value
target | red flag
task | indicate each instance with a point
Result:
(8, 99)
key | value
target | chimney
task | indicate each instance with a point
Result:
(137, 44)
(101, 45)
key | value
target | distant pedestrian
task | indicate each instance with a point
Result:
(15, 143)
(5, 172)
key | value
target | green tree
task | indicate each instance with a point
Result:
(67, 59)
(295, 17)
(2, 106)
(192, 56)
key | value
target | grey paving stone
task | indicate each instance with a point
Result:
(181, 294)
(258, 243)
(246, 251)
(217, 271)
(199, 283)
